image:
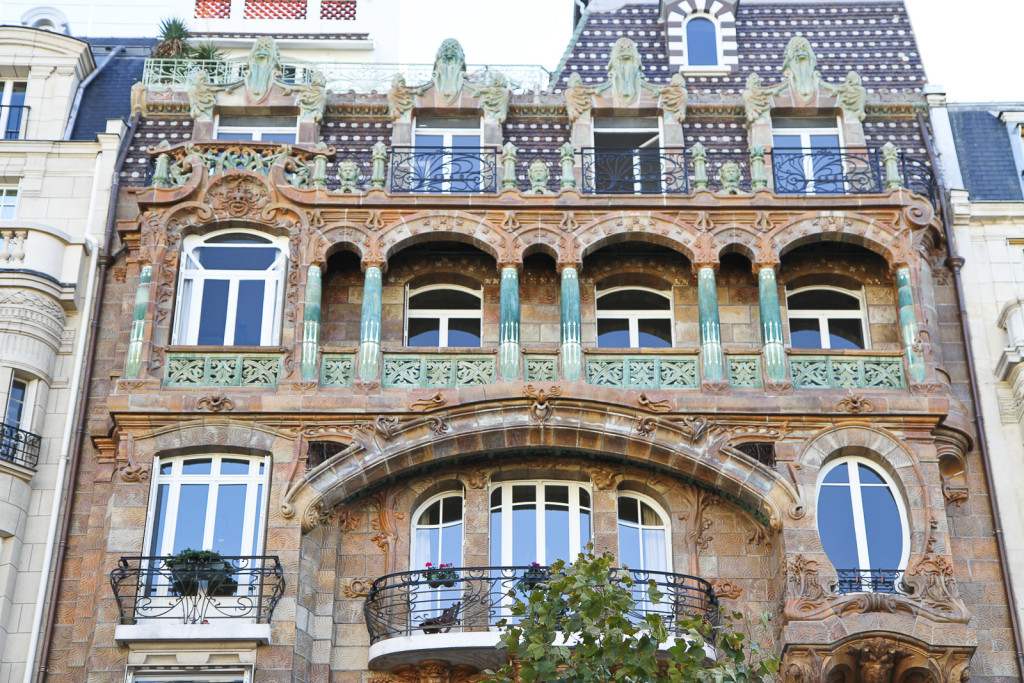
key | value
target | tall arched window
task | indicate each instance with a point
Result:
(701, 42)
(538, 521)
(444, 315)
(643, 534)
(633, 317)
(826, 318)
(437, 532)
(862, 523)
(230, 290)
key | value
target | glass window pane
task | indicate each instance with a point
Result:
(584, 529)
(160, 517)
(231, 466)
(214, 313)
(654, 333)
(524, 535)
(822, 300)
(629, 547)
(452, 509)
(556, 534)
(883, 527)
(227, 528)
(835, 526)
(829, 141)
(869, 476)
(259, 521)
(427, 547)
(628, 510)
(786, 141)
(191, 519)
(496, 557)
(584, 498)
(444, 299)
(451, 545)
(655, 555)
(613, 334)
(166, 468)
(200, 466)
(233, 135)
(845, 333)
(556, 494)
(432, 515)
(632, 300)
(237, 238)
(837, 475)
(423, 140)
(524, 494)
(278, 137)
(464, 332)
(804, 333)
(249, 313)
(236, 258)
(649, 516)
(424, 332)
(701, 43)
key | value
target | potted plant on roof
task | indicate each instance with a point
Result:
(442, 575)
(194, 569)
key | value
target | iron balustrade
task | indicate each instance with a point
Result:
(13, 118)
(444, 170)
(654, 170)
(870, 581)
(196, 592)
(468, 599)
(19, 446)
(918, 177)
(827, 170)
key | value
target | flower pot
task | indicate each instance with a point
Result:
(188, 577)
(435, 584)
(449, 584)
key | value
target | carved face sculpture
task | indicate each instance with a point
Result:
(625, 70)
(853, 78)
(800, 64)
(539, 174)
(348, 174)
(753, 81)
(264, 63)
(730, 174)
(575, 80)
(449, 69)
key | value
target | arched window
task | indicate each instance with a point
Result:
(437, 532)
(444, 315)
(827, 318)
(863, 525)
(643, 535)
(701, 42)
(538, 521)
(208, 502)
(631, 317)
(230, 290)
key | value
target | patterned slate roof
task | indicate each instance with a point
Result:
(108, 96)
(986, 158)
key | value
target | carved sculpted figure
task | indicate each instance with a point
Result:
(800, 67)
(401, 99)
(625, 72)
(672, 99)
(494, 97)
(264, 68)
(578, 98)
(348, 175)
(757, 98)
(851, 96)
(449, 70)
(201, 96)
(730, 175)
(539, 174)
(313, 98)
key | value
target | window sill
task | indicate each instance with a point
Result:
(447, 350)
(169, 630)
(225, 349)
(842, 352)
(641, 351)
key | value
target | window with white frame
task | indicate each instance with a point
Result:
(702, 41)
(444, 316)
(190, 675)
(627, 156)
(806, 156)
(13, 111)
(8, 202)
(539, 521)
(633, 317)
(208, 502)
(862, 523)
(827, 318)
(230, 290)
(447, 156)
(257, 128)
(19, 403)
(644, 542)
(438, 532)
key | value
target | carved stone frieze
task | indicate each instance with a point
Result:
(877, 657)
(541, 409)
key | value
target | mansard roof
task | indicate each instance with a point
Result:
(983, 148)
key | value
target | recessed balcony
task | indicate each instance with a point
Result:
(453, 613)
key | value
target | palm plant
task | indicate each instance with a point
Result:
(207, 52)
(174, 35)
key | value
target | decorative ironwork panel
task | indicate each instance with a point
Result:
(19, 446)
(244, 588)
(827, 170)
(444, 170)
(918, 177)
(15, 118)
(437, 371)
(870, 581)
(847, 372)
(655, 170)
(643, 372)
(744, 372)
(465, 600)
(541, 369)
(337, 370)
(222, 370)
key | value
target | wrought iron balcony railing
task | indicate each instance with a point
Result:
(820, 170)
(197, 592)
(471, 599)
(13, 119)
(870, 581)
(444, 170)
(655, 170)
(19, 446)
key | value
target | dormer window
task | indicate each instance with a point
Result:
(256, 128)
(701, 41)
(701, 35)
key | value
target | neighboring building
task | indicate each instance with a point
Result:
(706, 323)
(983, 162)
(54, 196)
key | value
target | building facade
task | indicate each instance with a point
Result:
(390, 355)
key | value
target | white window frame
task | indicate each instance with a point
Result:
(823, 315)
(655, 142)
(446, 143)
(634, 317)
(666, 526)
(443, 315)
(441, 526)
(257, 131)
(9, 191)
(188, 320)
(25, 423)
(575, 545)
(188, 675)
(805, 144)
(859, 525)
(6, 94)
(719, 49)
(254, 520)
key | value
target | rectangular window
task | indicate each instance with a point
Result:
(807, 156)
(627, 156)
(257, 128)
(448, 156)
(13, 112)
(17, 404)
(190, 675)
(8, 202)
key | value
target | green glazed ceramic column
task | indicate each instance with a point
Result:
(508, 333)
(710, 328)
(572, 349)
(138, 323)
(369, 328)
(311, 323)
(908, 323)
(771, 325)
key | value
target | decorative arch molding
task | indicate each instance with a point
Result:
(880, 237)
(722, 12)
(862, 437)
(694, 448)
(660, 229)
(456, 226)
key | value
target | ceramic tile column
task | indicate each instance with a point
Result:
(508, 333)
(712, 361)
(908, 324)
(311, 323)
(572, 348)
(773, 351)
(138, 324)
(369, 327)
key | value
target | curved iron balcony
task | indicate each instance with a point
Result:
(870, 581)
(19, 446)
(474, 599)
(243, 588)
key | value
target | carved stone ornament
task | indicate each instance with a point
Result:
(432, 671)
(449, 71)
(239, 196)
(758, 98)
(312, 98)
(851, 96)
(401, 99)
(654, 406)
(355, 587)
(263, 68)
(202, 96)
(541, 409)
(625, 72)
(493, 97)
(800, 68)
(725, 589)
(348, 176)
(579, 99)
(877, 658)
(215, 404)
(539, 174)
(853, 403)
(438, 400)
(672, 99)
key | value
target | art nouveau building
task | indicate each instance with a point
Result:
(54, 195)
(391, 355)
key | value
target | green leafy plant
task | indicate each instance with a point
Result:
(207, 52)
(192, 556)
(174, 37)
(193, 569)
(443, 574)
(576, 627)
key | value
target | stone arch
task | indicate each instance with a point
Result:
(336, 237)
(539, 240)
(453, 226)
(840, 226)
(209, 435)
(636, 227)
(724, 15)
(736, 238)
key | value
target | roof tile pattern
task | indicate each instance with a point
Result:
(986, 159)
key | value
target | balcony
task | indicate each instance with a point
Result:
(870, 581)
(834, 171)
(19, 447)
(229, 599)
(412, 616)
(847, 371)
(13, 121)
(444, 170)
(199, 369)
(634, 171)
